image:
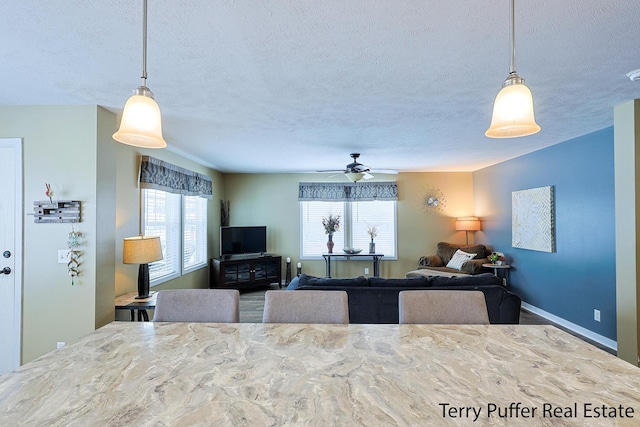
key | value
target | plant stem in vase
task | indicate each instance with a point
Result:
(372, 247)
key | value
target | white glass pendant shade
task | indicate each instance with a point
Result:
(354, 176)
(141, 124)
(513, 113)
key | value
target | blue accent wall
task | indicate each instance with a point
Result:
(580, 275)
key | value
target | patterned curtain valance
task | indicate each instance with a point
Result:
(347, 192)
(164, 176)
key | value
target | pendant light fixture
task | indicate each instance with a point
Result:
(141, 123)
(513, 108)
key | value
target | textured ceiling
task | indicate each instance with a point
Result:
(292, 85)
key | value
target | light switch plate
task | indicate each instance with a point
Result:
(63, 256)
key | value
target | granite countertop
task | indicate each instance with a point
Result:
(294, 374)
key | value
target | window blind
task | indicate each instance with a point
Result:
(313, 238)
(162, 218)
(194, 233)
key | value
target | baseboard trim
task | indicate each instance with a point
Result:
(607, 342)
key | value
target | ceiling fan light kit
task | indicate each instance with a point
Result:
(356, 171)
(513, 114)
(634, 75)
(141, 123)
(355, 176)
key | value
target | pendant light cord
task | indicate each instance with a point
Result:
(512, 70)
(144, 43)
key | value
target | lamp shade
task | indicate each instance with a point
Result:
(141, 250)
(468, 224)
(141, 124)
(513, 113)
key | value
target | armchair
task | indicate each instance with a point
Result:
(444, 253)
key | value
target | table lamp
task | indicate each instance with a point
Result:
(142, 250)
(467, 224)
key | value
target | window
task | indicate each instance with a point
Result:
(355, 217)
(194, 234)
(314, 239)
(181, 224)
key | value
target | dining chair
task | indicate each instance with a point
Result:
(306, 307)
(197, 305)
(443, 307)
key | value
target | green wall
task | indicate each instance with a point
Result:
(272, 200)
(59, 147)
(127, 218)
(71, 148)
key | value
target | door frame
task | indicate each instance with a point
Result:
(16, 144)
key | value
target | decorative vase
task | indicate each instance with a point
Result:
(372, 247)
(330, 243)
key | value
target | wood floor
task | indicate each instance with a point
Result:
(252, 305)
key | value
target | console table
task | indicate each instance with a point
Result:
(129, 302)
(376, 261)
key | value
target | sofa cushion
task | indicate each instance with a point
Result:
(412, 282)
(474, 266)
(293, 284)
(484, 279)
(446, 250)
(430, 261)
(305, 280)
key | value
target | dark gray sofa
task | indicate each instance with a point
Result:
(375, 300)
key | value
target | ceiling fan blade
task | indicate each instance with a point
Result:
(338, 171)
(336, 174)
(367, 175)
(385, 171)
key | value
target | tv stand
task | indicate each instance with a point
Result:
(245, 271)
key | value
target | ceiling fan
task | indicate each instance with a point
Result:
(355, 171)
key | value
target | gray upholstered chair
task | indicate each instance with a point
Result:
(443, 307)
(197, 305)
(306, 307)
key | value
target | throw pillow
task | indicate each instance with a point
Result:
(459, 258)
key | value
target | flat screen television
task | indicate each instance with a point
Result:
(243, 240)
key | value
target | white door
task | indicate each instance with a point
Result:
(10, 252)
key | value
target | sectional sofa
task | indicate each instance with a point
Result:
(375, 299)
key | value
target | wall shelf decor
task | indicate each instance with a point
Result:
(56, 212)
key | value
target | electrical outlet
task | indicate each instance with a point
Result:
(63, 256)
(596, 314)
(366, 270)
(60, 344)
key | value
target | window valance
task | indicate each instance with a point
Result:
(159, 175)
(347, 192)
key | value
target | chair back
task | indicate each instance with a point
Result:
(198, 305)
(442, 307)
(306, 307)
